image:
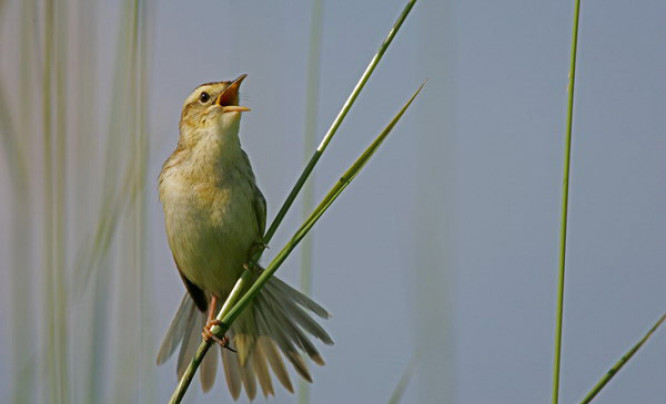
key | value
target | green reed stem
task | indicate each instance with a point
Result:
(184, 383)
(618, 365)
(565, 203)
(227, 317)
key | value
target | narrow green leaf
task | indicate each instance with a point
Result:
(618, 365)
(559, 314)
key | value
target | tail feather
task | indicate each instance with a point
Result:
(177, 329)
(261, 369)
(280, 340)
(275, 361)
(191, 340)
(298, 297)
(277, 323)
(295, 313)
(248, 379)
(209, 369)
(232, 370)
(286, 345)
(300, 365)
(293, 333)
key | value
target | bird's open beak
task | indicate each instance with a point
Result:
(228, 100)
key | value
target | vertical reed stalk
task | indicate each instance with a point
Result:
(85, 195)
(311, 108)
(128, 366)
(147, 344)
(22, 270)
(50, 356)
(565, 206)
(116, 193)
(59, 201)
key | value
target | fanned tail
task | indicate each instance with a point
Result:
(185, 330)
(277, 323)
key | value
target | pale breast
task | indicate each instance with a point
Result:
(210, 222)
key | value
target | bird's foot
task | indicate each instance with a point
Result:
(208, 335)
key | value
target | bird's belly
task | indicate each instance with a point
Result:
(210, 233)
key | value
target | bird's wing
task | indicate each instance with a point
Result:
(197, 294)
(258, 200)
(260, 209)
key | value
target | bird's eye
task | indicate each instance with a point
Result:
(204, 97)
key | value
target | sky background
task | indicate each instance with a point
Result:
(445, 246)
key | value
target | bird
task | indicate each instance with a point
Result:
(215, 218)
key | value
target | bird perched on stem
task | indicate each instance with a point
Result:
(215, 217)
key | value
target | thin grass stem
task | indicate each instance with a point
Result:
(565, 206)
(620, 363)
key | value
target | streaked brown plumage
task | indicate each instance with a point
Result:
(214, 215)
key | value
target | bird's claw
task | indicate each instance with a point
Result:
(207, 334)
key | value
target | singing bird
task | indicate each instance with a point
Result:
(215, 217)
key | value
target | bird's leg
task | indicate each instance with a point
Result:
(211, 308)
(207, 333)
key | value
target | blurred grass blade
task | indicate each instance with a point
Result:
(311, 107)
(559, 311)
(21, 289)
(117, 185)
(337, 121)
(51, 358)
(227, 318)
(618, 365)
(16, 167)
(59, 209)
(148, 379)
(404, 381)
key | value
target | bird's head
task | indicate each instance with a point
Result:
(212, 107)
